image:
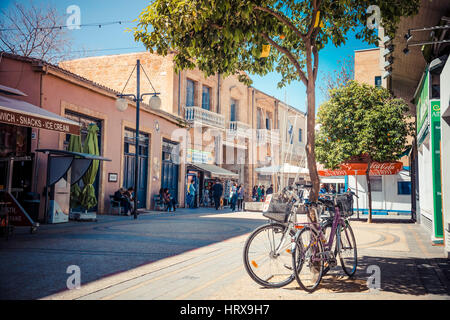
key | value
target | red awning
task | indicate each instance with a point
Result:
(376, 169)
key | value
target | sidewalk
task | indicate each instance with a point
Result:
(410, 269)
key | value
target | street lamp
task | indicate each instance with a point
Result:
(122, 105)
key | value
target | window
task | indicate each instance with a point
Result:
(190, 93)
(403, 187)
(299, 135)
(233, 110)
(259, 118)
(376, 184)
(378, 81)
(206, 98)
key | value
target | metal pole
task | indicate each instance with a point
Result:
(136, 166)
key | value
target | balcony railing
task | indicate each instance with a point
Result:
(267, 136)
(237, 128)
(197, 115)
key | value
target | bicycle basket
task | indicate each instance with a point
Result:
(278, 210)
(345, 204)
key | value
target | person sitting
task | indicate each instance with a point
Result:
(169, 201)
(119, 196)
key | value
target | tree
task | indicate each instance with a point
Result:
(362, 123)
(339, 77)
(229, 36)
(33, 32)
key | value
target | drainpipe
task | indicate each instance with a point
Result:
(179, 93)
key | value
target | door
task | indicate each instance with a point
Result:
(170, 167)
(129, 164)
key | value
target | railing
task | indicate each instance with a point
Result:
(267, 136)
(204, 117)
(237, 128)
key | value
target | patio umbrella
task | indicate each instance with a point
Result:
(75, 191)
(88, 199)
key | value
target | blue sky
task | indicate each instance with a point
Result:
(115, 37)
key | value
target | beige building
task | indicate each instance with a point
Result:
(368, 68)
(233, 128)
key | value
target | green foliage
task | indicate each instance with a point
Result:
(227, 36)
(361, 120)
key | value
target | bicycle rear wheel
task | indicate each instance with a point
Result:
(261, 260)
(307, 259)
(348, 254)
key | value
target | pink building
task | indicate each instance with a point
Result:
(83, 101)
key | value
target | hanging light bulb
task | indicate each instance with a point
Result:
(121, 104)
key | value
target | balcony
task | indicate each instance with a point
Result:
(238, 129)
(267, 136)
(202, 117)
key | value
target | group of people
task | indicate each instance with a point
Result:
(259, 193)
(126, 199)
(236, 196)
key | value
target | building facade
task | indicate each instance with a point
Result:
(86, 102)
(233, 128)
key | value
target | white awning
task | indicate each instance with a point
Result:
(285, 168)
(21, 113)
(214, 171)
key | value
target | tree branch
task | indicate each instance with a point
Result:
(289, 56)
(282, 19)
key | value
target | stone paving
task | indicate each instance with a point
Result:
(411, 268)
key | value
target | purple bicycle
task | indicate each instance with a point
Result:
(316, 245)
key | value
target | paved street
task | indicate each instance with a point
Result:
(198, 255)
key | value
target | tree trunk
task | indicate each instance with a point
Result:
(310, 127)
(369, 192)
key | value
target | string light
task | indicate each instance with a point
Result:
(95, 24)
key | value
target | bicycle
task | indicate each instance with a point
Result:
(267, 253)
(314, 249)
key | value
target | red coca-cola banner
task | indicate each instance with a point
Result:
(376, 169)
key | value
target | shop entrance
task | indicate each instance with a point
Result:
(129, 164)
(170, 167)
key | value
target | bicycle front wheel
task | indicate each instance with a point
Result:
(307, 259)
(267, 256)
(348, 254)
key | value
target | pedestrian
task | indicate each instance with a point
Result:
(263, 194)
(241, 194)
(130, 196)
(217, 193)
(233, 197)
(322, 189)
(332, 190)
(269, 190)
(254, 193)
(259, 193)
(191, 195)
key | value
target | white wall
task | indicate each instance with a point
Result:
(425, 180)
(445, 152)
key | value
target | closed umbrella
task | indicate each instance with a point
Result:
(75, 191)
(88, 199)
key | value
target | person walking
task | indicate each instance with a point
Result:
(263, 194)
(233, 197)
(241, 194)
(254, 193)
(259, 194)
(192, 195)
(217, 193)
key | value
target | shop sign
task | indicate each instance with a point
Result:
(199, 156)
(17, 214)
(423, 102)
(26, 120)
(376, 169)
(435, 126)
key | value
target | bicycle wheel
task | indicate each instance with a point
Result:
(307, 259)
(347, 249)
(266, 263)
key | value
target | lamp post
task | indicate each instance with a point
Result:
(122, 104)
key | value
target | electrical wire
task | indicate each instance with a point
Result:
(93, 24)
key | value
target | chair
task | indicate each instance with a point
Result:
(115, 205)
(159, 204)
